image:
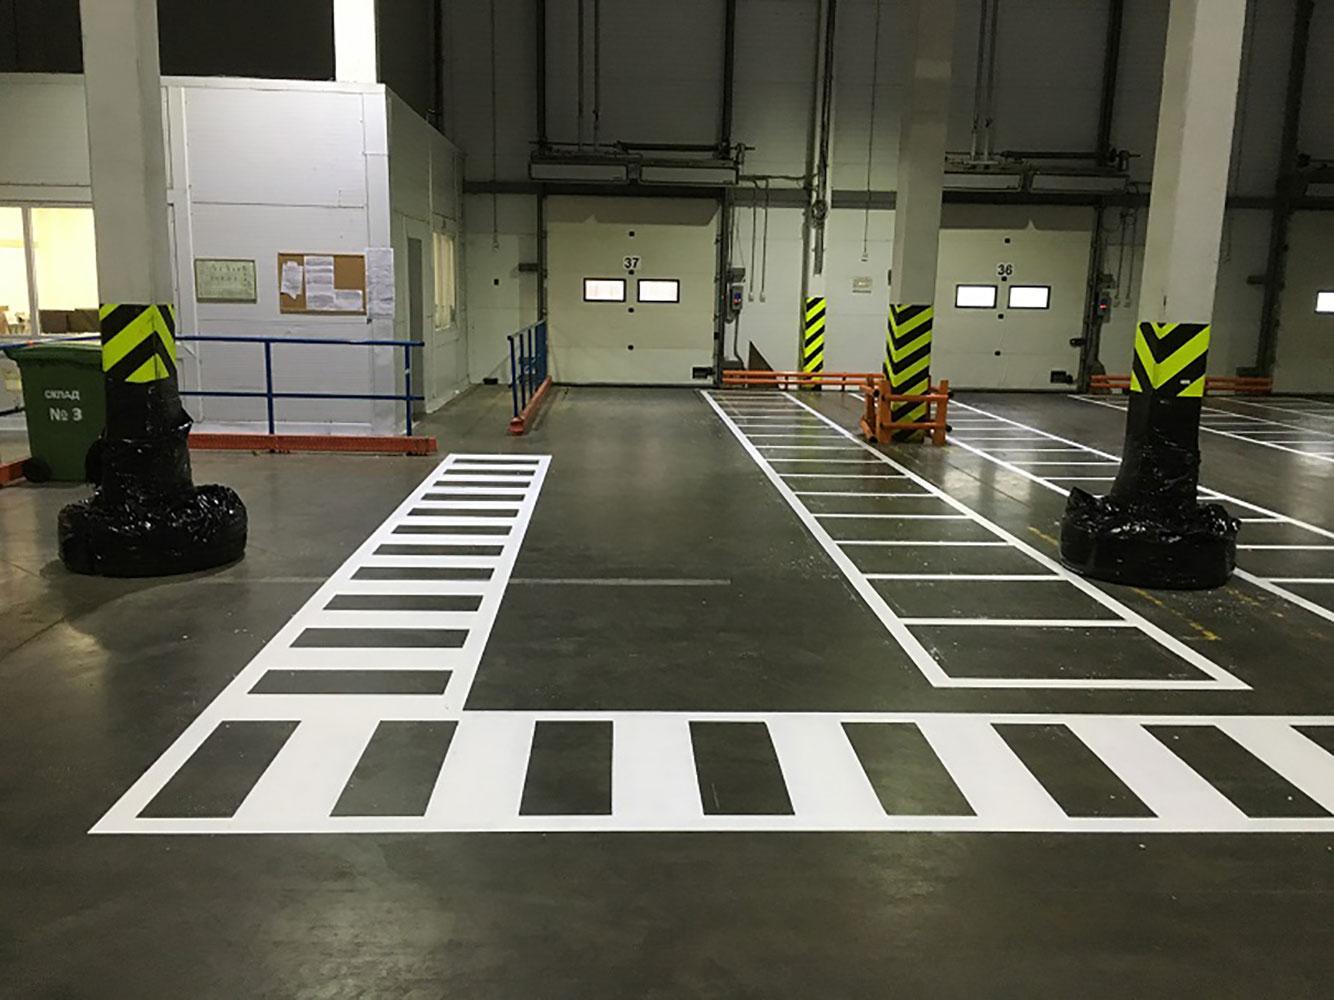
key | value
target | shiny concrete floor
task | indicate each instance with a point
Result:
(98, 677)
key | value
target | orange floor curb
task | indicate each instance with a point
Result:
(286, 443)
(519, 424)
(11, 472)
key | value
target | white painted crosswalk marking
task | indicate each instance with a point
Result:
(479, 786)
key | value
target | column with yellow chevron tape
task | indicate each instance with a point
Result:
(812, 337)
(146, 516)
(1151, 530)
(907, 364)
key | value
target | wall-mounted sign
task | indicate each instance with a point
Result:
(631, 263)
(862, 284)
(1005, 270)
(220, 279)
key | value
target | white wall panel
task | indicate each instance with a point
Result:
(501, 300)
(44, 123)
(276, 147)
(1306, 338)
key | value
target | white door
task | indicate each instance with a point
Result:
(1010, 296)
(631, 289)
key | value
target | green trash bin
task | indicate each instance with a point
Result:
(65, 405)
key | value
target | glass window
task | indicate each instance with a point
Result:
(604, 289)
(65, 259)
(1029, 296)
(659, 290)
(1324, 302)
(446, 281)
(13, 274)
(975, 296)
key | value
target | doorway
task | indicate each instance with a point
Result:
(631, 287)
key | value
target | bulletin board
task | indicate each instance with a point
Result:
(349, 275)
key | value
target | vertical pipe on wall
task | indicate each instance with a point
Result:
(1285, 189)
(579, 70)
(729, 78)
(540, 72)
(437, 114)
(1111, 64)
(597, 69)
(979, 77)
(989, 120)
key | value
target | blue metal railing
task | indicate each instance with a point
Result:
(528, 363)
(269, 395)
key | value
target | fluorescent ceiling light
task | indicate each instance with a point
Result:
(578, 172)
(1078, 182)
(1324, 302)
(713, 176)
(983, 181)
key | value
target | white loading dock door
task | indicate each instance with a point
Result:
(1010, 257)
(633, 249)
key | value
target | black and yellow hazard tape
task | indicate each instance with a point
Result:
(812, 336)
(907, 365)
(1170, 359)
(138, 341)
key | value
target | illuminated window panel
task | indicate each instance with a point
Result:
(604, 289)
(659, 290)
(974, 296)
(1029, 296)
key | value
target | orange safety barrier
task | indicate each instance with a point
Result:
(878, 423)
(796, 380)
(282, 444)
(11, 472)
(1243, 384)
(519, 424)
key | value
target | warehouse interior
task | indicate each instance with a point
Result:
(604, 498)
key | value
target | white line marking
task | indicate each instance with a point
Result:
(1205, 493)
(1006, 577)
(1001, 790)
(910, 542)
(1218, 677)
(1025, 622)
(899, 517)
(1158, 777)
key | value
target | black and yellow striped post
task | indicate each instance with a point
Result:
(147, 518)
(907, 364)
(1151, 530)
(812, 337)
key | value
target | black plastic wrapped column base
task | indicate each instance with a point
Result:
(1161, 546)
(163, 535)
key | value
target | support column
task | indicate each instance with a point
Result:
(926, 65)
(146, 517)
(356, 49)
(1151, 531)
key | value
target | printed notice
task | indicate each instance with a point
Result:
(380, 281)
(347, 299)
(291, 279)
(320, 293)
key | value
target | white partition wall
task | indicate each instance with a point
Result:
(262, 167)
